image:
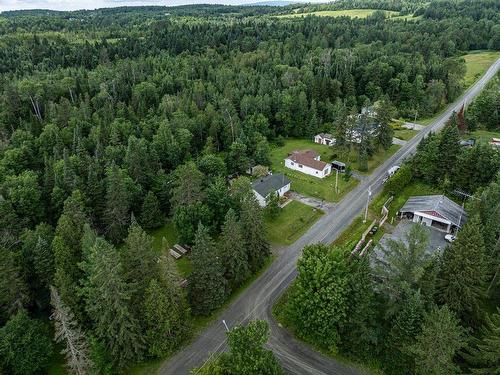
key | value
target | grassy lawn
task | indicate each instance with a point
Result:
(323, 188)
(477, 63)
(293, 221)
(170, 233)
(353, 13)
(320, 188)
(482, 136)
(405, 134)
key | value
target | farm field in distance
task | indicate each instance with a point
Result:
(476, 63)
(353, 13)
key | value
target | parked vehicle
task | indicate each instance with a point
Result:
(450, 238)
(374, 230)
(393, 170)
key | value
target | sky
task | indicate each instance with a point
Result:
(93, 4)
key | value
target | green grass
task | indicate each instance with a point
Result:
(320, 188)
(169, 232)
(482, 136)
(323, 189)
(293, 221)
(476, 64)
(352, 13)
(405, 134)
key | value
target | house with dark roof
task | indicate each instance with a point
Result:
(277, 184)
(324, 139)
(435, 211)
(308, 162)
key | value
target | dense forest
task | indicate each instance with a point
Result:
(113, 121)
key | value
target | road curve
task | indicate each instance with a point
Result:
(257, 300)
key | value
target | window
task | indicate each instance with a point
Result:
(300, 165)
(316, 172)
(292, 163)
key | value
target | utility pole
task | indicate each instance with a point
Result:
(367, 202)
(337, 182)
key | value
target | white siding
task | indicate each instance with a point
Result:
(307, 170)
(260, 199)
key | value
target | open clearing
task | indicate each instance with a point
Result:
(482, 136)
(293, 221)
(352, 13)
(320, 188)
(476, 63)
(324, 189)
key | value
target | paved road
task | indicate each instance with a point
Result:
(258, 299)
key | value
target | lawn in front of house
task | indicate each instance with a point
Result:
(320, 188)
(405, 134)
(482, 136)
(324, 188)
(352, 13)
(292, 222)
(476, 64)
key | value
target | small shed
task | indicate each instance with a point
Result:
(338, 165)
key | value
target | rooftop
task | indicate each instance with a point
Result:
(439, 204)
(270, 183)
(307, 158)
(325, 135)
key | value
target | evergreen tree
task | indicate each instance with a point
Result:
(206, 283)
(484, 352)
(232, 251)
(401, 264)
(448, 148)
(107, 302)
(13, 290)
(117, 212)
(461, 283)
(69, 334)
(151, 215)
(358, 333)
(67, 251)
(217, 201)
(405, 325)
(165, 311)
(385, 113)
(254, 234)
(441, 338)
(140, 262)
(25, 345)
(273, 206)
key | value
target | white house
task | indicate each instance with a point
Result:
(435, 211)
(271, 184)
(308, 162)
(324, 139)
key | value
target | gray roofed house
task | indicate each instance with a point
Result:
(436, 211)
(274, 183)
